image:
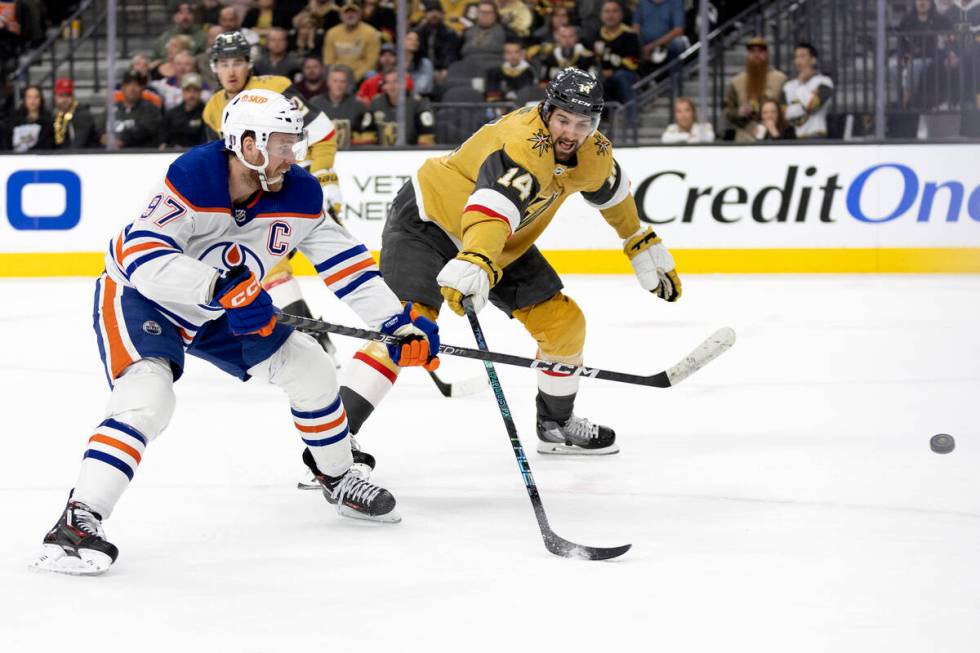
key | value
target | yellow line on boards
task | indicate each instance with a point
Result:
(938, 260)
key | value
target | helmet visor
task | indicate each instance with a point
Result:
(288, 146)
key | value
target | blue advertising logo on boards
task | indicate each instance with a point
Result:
(21, 179)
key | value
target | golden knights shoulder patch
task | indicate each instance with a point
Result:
(601, 144)
(540, 142)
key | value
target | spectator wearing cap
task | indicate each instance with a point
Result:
(504, 81)
(483, 43)
(353, 43)
(748, 89)
(265, 17)
(371, 86)
(438, 42)
(312, 80)
(140, 63)
(30, 128)
(74, 128)
(277, 60)
(183, 23)
(137, 121)
(183, 125)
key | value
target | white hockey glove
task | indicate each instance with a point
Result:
(471, 274)
(653, 264)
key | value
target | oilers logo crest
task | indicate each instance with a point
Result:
(226, 255)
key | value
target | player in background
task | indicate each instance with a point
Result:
(232, 65)
(183, 278)
(466, 224)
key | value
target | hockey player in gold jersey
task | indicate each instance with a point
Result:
(466, 224)
(230, 61)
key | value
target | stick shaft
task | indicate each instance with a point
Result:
(710, 349)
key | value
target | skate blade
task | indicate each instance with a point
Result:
(562, 449)
(388, 518)
(54, 560)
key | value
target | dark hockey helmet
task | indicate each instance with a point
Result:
(576, 91)
(229, 45)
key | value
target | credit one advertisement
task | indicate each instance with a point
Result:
(711, 205)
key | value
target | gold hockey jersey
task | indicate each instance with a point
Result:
(506, 173)
(322, 135)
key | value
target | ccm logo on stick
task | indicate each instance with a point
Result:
(20, 181)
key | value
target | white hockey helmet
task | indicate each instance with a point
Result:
(262, 113)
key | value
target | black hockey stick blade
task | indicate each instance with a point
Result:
(562, 547)
(462, 388)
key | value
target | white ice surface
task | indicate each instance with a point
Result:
(782, 499)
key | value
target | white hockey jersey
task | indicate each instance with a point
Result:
(798, 96)
(189, 231)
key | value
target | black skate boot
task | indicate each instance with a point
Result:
(357, 498)
(76, 545)
(577, 436)
(363, 464)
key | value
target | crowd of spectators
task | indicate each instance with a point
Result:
(342, 55)
(505, 50)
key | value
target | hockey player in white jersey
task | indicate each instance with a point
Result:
(183, 277)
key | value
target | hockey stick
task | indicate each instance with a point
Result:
(555, 544)
(459, 388)
(711, 348)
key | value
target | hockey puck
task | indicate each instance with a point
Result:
(942, 443)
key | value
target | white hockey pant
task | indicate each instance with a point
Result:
(307, 375)
(139, 409)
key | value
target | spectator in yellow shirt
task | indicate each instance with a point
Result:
(353, 43)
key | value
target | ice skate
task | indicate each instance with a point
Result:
(359, 499)
(363, 464)
(576, 437)
(76, 545)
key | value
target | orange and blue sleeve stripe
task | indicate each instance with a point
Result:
(347, 271)
(321, 428)
(131, 249)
